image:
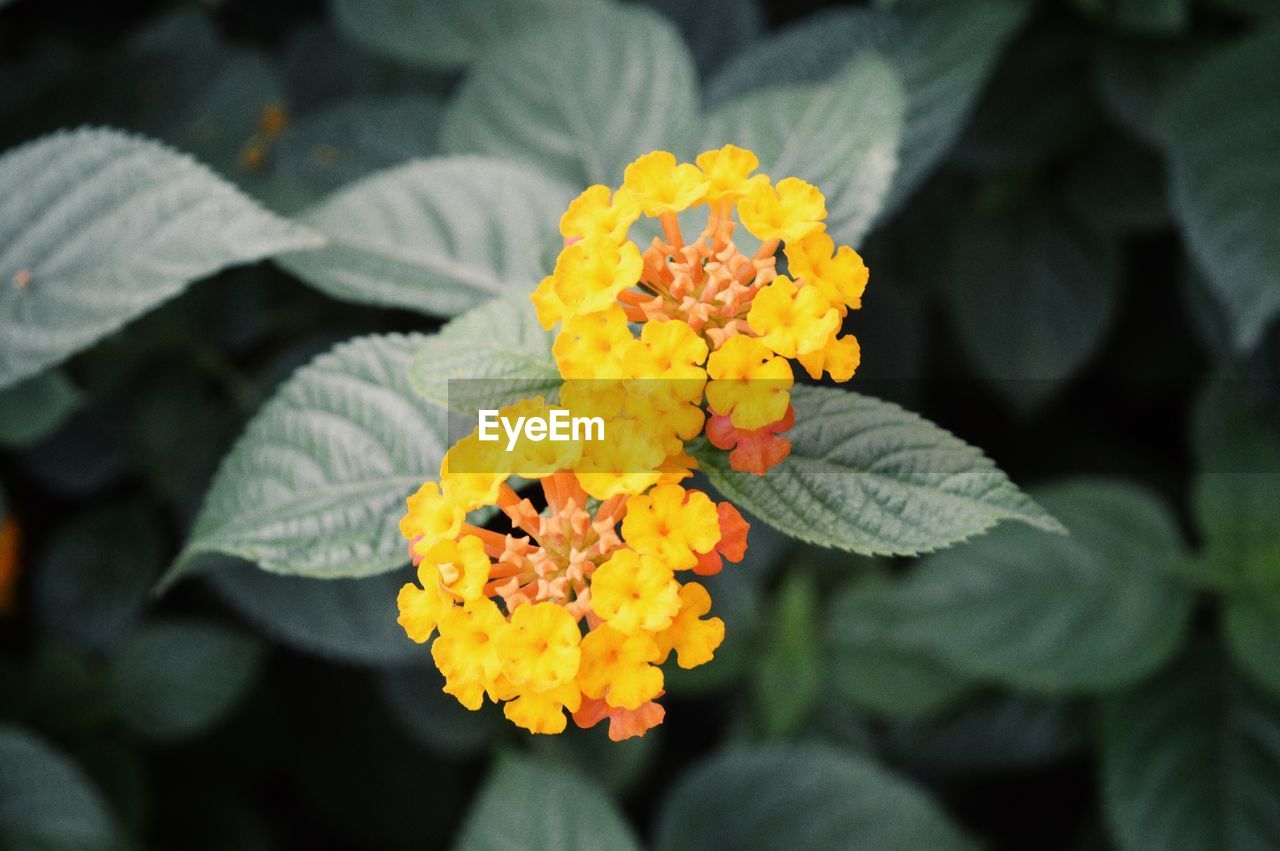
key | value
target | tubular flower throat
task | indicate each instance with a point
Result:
(740, 322)
(578, 604)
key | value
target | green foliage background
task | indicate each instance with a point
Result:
(242, 244)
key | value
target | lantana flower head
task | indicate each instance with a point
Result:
(574, 608)
(709, 286)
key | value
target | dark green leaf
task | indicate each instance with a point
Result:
(1093, 610)
(789, 678)
(35, 408)
(435, 719)
(1191, 760)
(1032, 292)
(533, 805)
(46, 802)
(176, 679)
(1220, 128)
(799, 797)
(872, 667)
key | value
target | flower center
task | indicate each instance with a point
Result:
(708, 283)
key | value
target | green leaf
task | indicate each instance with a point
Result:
(789, 677)
(98, 227)
(1039, 104)
(993, 734)
(1191, 760)
(1236, 492)
(1132, 77)
(1033, 292)
(799, 797)
(943, 53)
(534, 805)
(580, 97)
(176, 679)
(841, 136)
(1236, 496)
(36, 408)
(47, 802)
(715, 30)
(872, 667)
(316, 485)
(438, 236)
(868, 477)
(348, 620)
(444, 33)
(340, 144)
(1220, 128)
(1118, 188)
(1146, 17)
(1100, 608)
(95, 576)
(500, 345)
(434, 719)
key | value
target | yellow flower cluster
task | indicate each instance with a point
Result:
(507, 609)
(749, 320)
(575, 607)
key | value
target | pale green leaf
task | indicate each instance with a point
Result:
(868, 477)
(875, 669)
(1251, 629)
(317, 483)
(1099, 608)
(47, 802)
(438, 236)
(443, 33)
(1191, 760)
(580, 97)
(535, 805)
(175, 679)
(97, 227)
(1220, 128)
(802, 798)
(35, 408)
(500, 351)
(943, 52)
(1032, 292)
(841, 136)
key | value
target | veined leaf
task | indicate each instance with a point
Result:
(1220, 129)
(438, 236)
(500, 345)
(1191, 760)
(841, 136)
(804, 798)
(97, 227)
(47, 802)
(443, 33)
(868, 477)
(580, 97)
(316, 484)
(538, 805)
(1099, 608)
(944, 53)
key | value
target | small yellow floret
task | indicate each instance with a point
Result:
(792, 320)
(661, 185)
(792, 210)
(749, 383)
(618, 667)
(671, 524)
(633, 592)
